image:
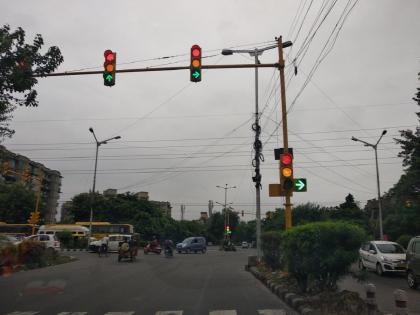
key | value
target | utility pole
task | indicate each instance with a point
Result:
(288, 205)
(225, 206)
(211, 205)
(182, 212)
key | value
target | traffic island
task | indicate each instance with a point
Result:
(323, 303)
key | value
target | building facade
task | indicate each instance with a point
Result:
(19, 168)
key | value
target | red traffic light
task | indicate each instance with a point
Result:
(286, 158)
(196, 52)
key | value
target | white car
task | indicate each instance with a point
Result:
(245, 245)
(50, 240)
(382, 256)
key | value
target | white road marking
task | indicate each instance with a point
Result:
(272, 312)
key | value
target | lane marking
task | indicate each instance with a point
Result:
(272, 312)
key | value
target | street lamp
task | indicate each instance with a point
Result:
(98, 144)
(375, 147)
(226, 187)
(256, 127)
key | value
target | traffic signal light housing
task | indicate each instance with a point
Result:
(34, 219)
(4, 168)
(109, 67)
(286, 173)
(195, 66)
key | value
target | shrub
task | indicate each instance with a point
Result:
(318, 254)
(403, 240)
(271, 248)
(65, 238)
(32, 254)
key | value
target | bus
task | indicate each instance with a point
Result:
(102, 229)
(18, 230)
(76, 230)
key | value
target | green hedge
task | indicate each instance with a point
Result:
(318, 254)
(271, 242)
(404, 239)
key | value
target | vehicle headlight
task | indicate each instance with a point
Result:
(386, 259)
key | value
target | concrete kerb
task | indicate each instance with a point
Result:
(293, 300)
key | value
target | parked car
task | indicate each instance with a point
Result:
(382, 256)
(245, 245)
(50, 240)
(192, 244)
(413, 262)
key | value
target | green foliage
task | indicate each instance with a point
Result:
(65, 238)
(404, 239)
(16, 203)
(31, 253)
(318, 254)
(349, 203)
(19, 62)
(215, 228)
(244, 232)
(271, 242)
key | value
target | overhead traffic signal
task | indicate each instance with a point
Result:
(34, 219)
(195, 66)
(286, 172)
(109, 67)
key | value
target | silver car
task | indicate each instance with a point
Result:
(382, 256)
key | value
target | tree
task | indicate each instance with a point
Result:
(215, 227)
(349, 203)
(16, 203)
(19, 63)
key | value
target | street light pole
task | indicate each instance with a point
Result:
(375, 148)
(225, 204)
(257, 142)
(92, 198)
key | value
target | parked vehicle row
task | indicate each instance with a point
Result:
(390, 257)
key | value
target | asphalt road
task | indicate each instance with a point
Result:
(385, 286)
(213, 283)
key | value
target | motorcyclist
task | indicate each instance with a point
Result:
(168, 244)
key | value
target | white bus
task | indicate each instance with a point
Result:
(76, 230)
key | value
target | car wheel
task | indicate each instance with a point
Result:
(411, 280)
(361, 265)
(379, 269)
(203, 251)
(195, 252)
(179, 252)
(119, 258)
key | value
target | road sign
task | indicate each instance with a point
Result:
(300, 185)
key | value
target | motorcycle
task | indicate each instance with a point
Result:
(169, 252)
(152, 248)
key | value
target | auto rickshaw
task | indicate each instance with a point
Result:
(127, 249)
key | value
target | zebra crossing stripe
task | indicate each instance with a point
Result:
(272, 312)
(223, 312)
(169, 313)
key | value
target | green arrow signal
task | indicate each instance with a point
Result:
(108, 77)
(300, 184)
(196, 74)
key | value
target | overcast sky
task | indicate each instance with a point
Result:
(181, 139)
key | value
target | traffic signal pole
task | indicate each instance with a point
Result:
(288, 205)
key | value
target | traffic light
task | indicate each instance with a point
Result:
(4, 168)
(286, 172)
(34, 219)
(26, 176)
(228, 230)
(195, 67)
(109, 67)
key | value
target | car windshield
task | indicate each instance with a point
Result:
(390, 248)
(187, 240)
